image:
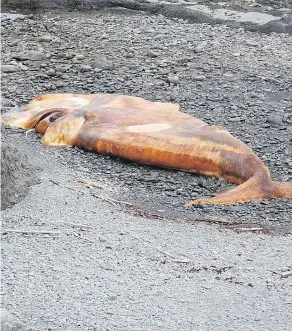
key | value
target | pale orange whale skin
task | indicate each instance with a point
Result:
(151, 133)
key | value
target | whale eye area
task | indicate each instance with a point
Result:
(54, 117)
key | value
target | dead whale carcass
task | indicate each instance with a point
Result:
(151, 133)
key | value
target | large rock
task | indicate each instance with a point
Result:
(9, 68)
(16, 175)
(29, 55)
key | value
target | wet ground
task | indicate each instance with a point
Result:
(263, 16)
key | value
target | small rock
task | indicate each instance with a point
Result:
(104, 36)
(198, 49)
(236, 54)
(45, 39)
(23, 67)
(14, 63)
(129, 55)
(102, 239)
(69, 56)
(227, 74)
(275, 119)
(85, 68)
(235, 119)
(60, 84)
(51, 72)
(9, 322)
(61, 68)
(173, 79)
(9, 68)
(199, 77)
(79, 56)
(103, 64)
(152, 54)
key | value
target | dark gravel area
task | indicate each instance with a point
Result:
(280, 22)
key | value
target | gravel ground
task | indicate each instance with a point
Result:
(110, 276)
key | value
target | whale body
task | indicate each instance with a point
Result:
(152, 133)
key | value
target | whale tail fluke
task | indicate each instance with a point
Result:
(284, 189)
(256, 188)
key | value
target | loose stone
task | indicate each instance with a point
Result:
(173, 79)
(199, 77)
(45, 39)
(9, 68)
(51, 72)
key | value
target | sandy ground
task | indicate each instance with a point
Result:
(90, 264)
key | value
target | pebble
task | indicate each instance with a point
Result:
(129, 55)
(199, 77)
(103, 64)
(79, 56)
(173, 79)
(60, 84)
(229, 75)
(102, 239)
(61, 68)
(69, 56)
(9, 68)
(85, 68)
(23, 67)
(45, 39)
(275, 119)
(152, 54)
(51, 72)
(198, 49)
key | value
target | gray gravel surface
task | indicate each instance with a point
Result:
(110, 276)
